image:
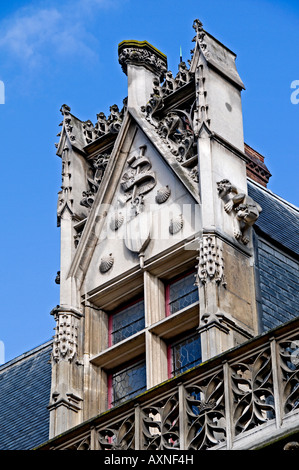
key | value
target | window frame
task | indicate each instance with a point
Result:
(126, 366)
(175, 341)
(112, 314)
(167, 291)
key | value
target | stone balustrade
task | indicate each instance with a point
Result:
(245, 398)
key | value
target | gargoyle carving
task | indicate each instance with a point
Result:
(246, 209)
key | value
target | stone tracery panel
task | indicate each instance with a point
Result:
(205, 406)
(253, 391)
(160, 424)
(119, 435)
(289, 366)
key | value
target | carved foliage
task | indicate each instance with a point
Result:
(67, 121)
(141, 56)
(217, 405)
(289, 363)
(118, 436)
(169, 86)
(160, 424)
(176, 127)
(206, 413)
(252, 386)
(83, 444)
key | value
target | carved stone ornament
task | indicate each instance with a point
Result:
(200, 37)
(210, 266)
(163, 194)
(116, 220)
(106, 263)
(64, 196)
(94, 179)
(161, 91)
(176, 131)
(246, 210)
(176, 224)
(104, 125)
(65, 342)
(175, 128)
(142, 53)
(67, 121)
(137, 180)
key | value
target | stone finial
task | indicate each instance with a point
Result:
(142, 53)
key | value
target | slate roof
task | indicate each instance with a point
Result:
(24, 396)
(279, 219)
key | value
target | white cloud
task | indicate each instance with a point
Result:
(32, 34)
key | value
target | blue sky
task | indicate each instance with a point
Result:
(56, 52)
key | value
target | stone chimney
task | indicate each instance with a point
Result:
(143, 64)
(256, 168)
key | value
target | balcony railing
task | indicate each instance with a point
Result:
(245, 398)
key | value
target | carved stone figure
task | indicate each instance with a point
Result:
(169, 86)
(101, 126)
(88, 131)
(114, 120)
(183, 76)
(155, 102)
(246, 209)
(94, 179)
(176, 130)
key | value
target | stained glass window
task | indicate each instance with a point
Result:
(126, 383)
(180, 293)
(126, 322)
(184, 354)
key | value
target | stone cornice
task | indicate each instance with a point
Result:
(142, 53)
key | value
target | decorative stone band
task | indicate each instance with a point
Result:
(142, 53)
